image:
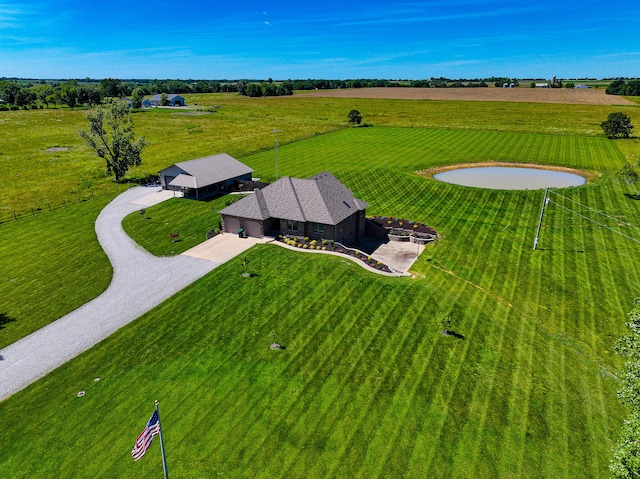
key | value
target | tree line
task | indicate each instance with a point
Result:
(623, 88)
(73, 93)
(16, 94)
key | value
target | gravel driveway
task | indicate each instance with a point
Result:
(140, 282)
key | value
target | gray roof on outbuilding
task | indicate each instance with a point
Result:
(170, 96)
(209, 170)
(319, 199)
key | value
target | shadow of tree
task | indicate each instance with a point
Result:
(5, 319)
(448, 332)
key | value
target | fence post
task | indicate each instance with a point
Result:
(49, 205)
(33, 213)
(15, 217)
(93, 195)
(64, 202)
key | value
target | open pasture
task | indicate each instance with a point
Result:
(45, 161)
(367, 385)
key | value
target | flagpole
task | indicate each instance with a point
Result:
(164, 457)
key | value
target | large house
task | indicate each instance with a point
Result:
(319, 207)
(173, 99)
(205, 176)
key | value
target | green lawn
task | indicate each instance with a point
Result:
(50, 264)
(189, 218)
(367, 385)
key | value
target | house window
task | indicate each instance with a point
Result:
(318, 228)
(292, 225)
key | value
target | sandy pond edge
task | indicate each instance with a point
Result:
(429, 172)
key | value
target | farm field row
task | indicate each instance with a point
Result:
(367, 386)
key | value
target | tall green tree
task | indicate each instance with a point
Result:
(69, 93)
(110, 88)
(44, 93)
(626, 453)
(617, 125)
(355, 118)
(111, 136)
(136, 97)
(9, 91)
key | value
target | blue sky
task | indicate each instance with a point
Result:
(330, 39)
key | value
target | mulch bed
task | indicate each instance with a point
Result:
(328, 245)
(400, 224)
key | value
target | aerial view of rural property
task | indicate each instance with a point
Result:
(323, 241)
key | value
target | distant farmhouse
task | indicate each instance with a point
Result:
(174, 100)
(205, 176)
(319, 207)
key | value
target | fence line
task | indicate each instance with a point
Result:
(7, 216)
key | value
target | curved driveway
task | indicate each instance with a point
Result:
(140, 282)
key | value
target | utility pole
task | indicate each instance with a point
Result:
(545, 201)
(276, 131)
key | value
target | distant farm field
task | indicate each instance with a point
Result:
(367, 385)
(521, 94)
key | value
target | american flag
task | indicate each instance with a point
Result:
(146, 436)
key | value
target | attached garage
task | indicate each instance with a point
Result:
(253, 228)
(231, 224)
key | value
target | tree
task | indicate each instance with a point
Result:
(355, 118)
(110, 88)
(253, 90)
(628, 174)
(136, 97)
(69, 93)
(445, 321)
(626, 453)
(164, 100)
(44, 93)
(111, 136)
(617, 125)
(89, 95)
(9, 91)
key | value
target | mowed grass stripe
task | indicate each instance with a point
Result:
(481, 401)
(516, 427)
(266, 402)
(439, 409)
(362, 400)
(382, 388)
(399, 428)
(302, 430)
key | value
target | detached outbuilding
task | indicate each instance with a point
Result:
(173, 99)
(205, 176)
(319, 207)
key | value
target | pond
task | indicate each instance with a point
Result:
(510, 178)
